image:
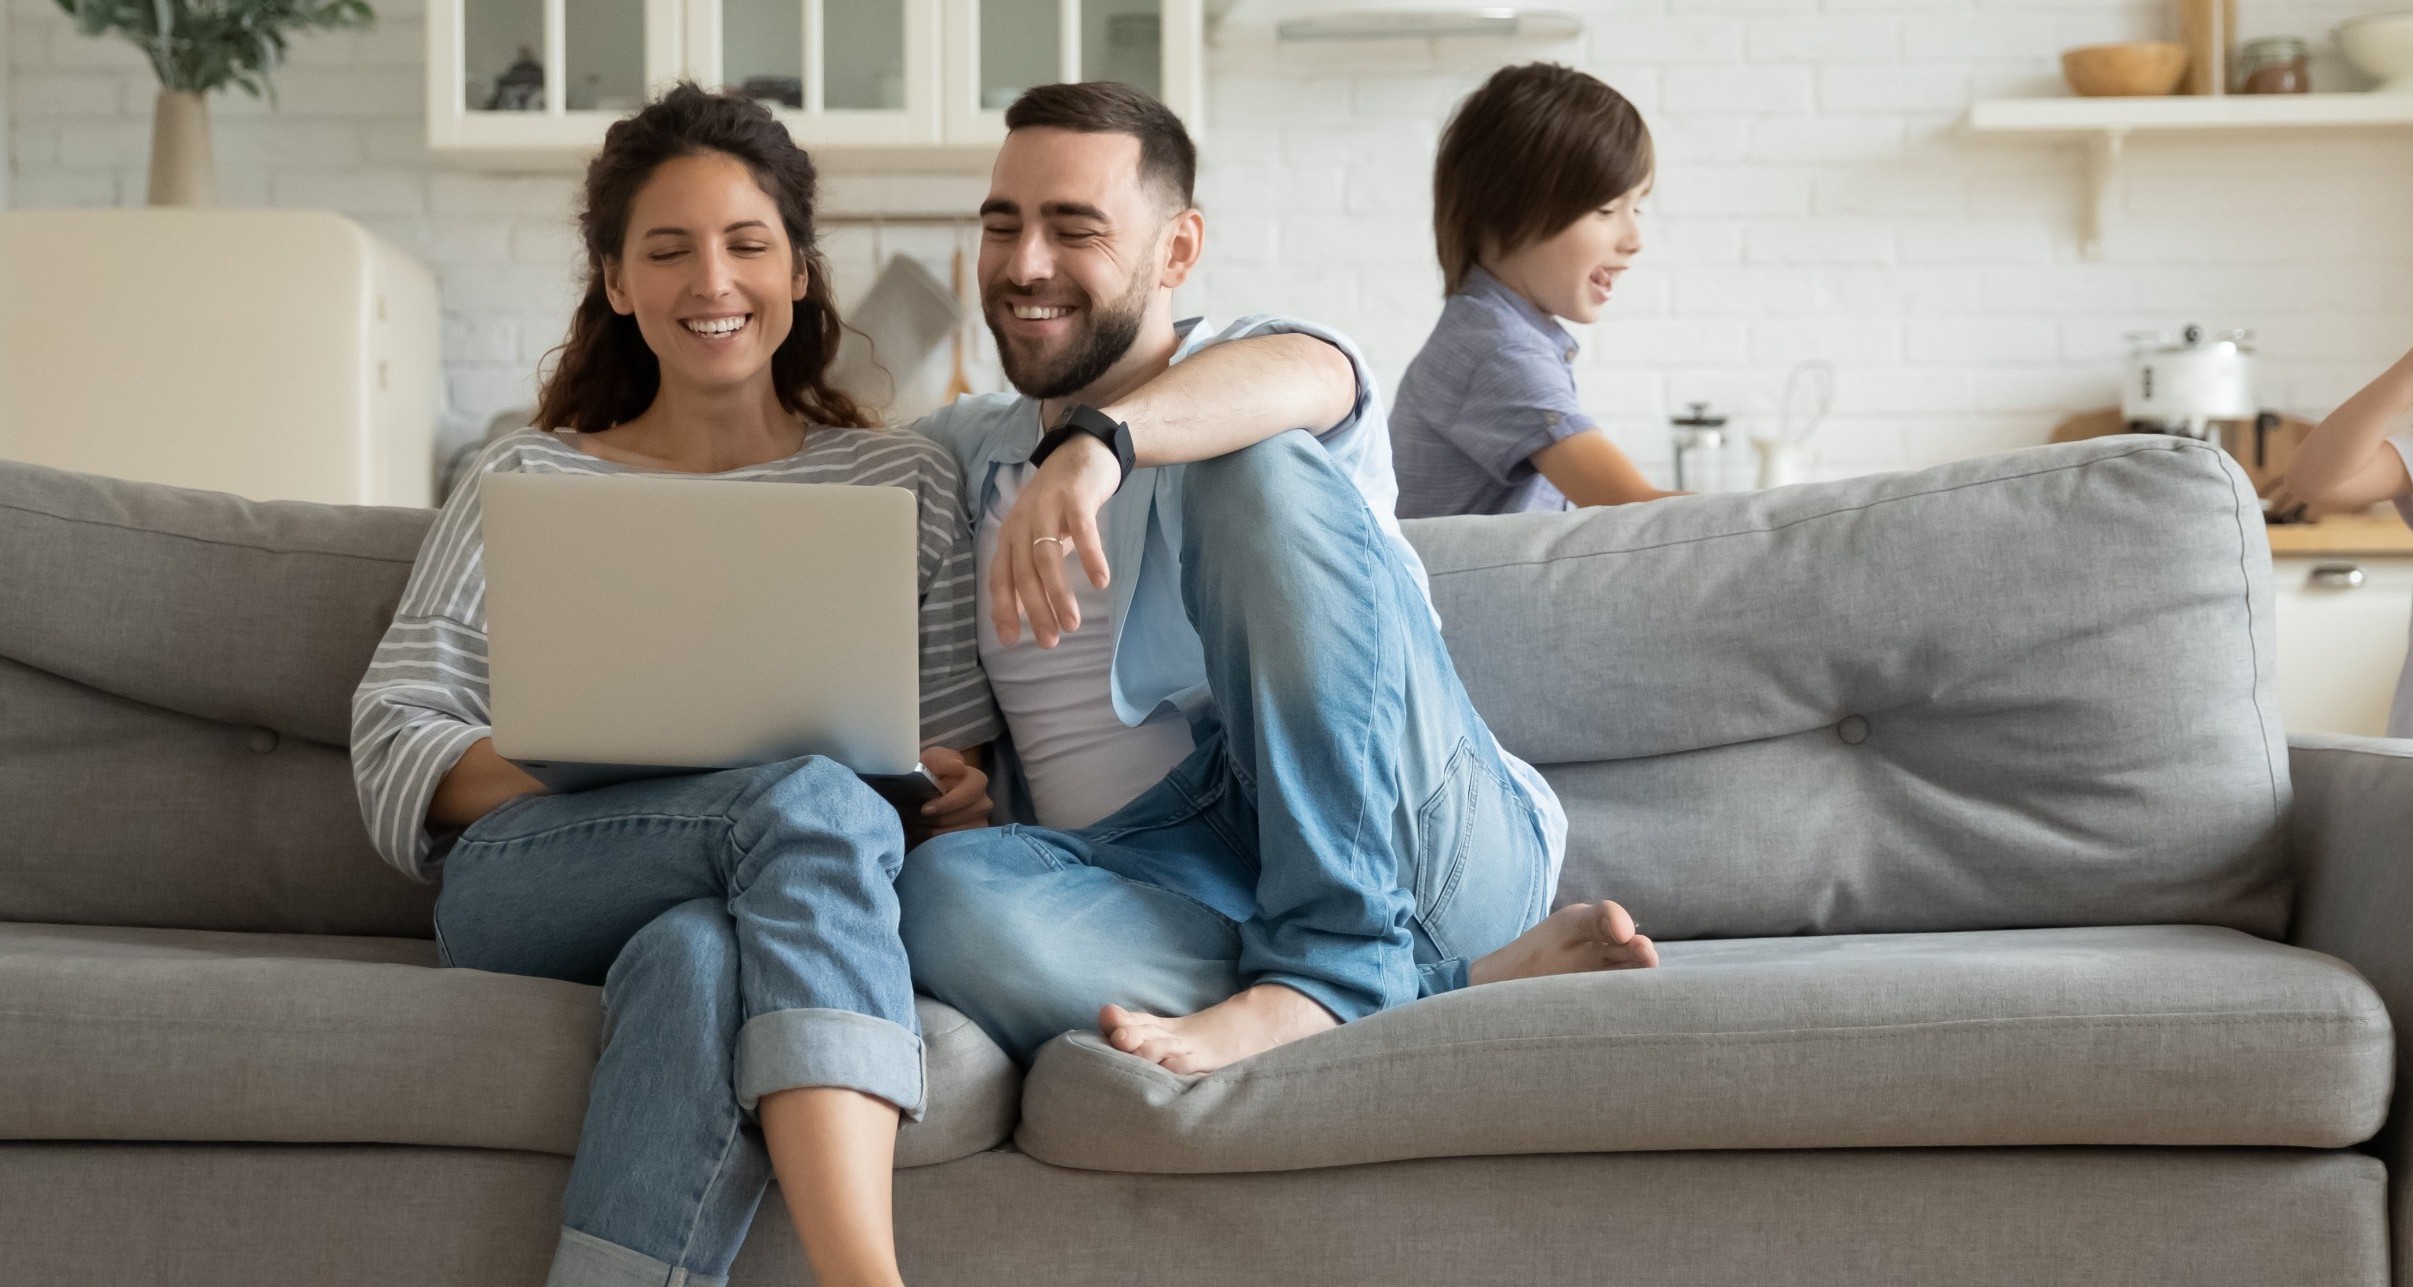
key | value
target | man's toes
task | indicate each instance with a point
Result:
(1615, 925)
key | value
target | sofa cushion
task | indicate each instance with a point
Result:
(121, 813)
(2027, 690)
(2156, 1035)
(192, 654)
(244, 612)
(127, 1034)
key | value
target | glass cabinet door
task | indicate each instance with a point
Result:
(999, 48)
(543, 75)
(837, 71)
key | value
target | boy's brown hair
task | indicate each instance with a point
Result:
(1536, 148)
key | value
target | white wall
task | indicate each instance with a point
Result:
(1816, 199)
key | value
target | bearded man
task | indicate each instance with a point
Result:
(1253, 800)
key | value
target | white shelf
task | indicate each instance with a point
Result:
(2178, 112)
(2106, 123)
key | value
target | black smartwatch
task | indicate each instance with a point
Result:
(1079, 419)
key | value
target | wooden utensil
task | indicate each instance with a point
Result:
(2207, 28)
(958, 383)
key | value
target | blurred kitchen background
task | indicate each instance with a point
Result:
(1895, 207)
(1820, 196)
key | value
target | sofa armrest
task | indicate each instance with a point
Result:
(2351, 832)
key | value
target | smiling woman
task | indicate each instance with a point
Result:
(701, 347)
(763, 287)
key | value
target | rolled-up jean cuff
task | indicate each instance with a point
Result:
(584, 1260)
(788, 1049)
(1437, 977)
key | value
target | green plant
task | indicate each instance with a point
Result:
(204, 45)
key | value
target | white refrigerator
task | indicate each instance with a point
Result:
(276, 354)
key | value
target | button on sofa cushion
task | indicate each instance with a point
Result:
(2026, 690)
(126, 1034)
(2154, 1035)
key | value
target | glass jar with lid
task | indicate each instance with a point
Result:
(2275, 65)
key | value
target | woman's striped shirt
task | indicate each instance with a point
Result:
(424, 701)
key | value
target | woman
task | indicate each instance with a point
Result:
(759, 1011)
(1536, 206)
(2362, 455)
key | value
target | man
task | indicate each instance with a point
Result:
(1265, 805)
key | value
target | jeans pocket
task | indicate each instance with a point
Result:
(1474, 883)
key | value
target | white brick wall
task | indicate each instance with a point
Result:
(1816, 199)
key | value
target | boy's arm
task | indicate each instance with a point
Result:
(1218, 400)
(1588, 469)
(2347, 463)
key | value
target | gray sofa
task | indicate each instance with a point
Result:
(2007, 940)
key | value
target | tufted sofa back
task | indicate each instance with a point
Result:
(176, 674)
(2033, 689)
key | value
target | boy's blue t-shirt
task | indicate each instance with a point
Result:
(1494, 384)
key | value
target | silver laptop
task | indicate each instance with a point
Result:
(647, 626)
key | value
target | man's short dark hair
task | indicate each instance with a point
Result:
(1536, 148)
(1166, 155)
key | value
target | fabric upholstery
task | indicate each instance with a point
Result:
(2031, 689)
(177, 667)
(414, 1217)
(127, 1034)
(243, 612)
(2158, 1035)
(120, 813)
(2353, 844)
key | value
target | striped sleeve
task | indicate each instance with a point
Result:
(423, 701)
(957, 708)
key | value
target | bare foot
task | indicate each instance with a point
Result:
(1572, 940)
(1228, 1031)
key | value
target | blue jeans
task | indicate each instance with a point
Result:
(743, 926)
(1345, 826)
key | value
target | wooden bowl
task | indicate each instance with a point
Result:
(2137, 68)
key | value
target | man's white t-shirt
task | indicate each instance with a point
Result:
(1078, 757)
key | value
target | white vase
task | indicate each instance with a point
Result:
(183, 172)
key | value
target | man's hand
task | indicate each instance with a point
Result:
(1056, 514)
(963, 801)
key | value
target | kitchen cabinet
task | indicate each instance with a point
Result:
(2342, 631)
(866, 84)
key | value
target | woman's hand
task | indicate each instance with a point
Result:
(481, 782)
(963, 801)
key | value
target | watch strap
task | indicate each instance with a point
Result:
(1082, 419)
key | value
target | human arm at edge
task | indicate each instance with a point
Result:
(2346, 463)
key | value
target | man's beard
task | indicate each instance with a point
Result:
(1107, 335)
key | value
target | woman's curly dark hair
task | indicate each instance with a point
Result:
(604, 373)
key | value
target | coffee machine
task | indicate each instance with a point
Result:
(2195, 386)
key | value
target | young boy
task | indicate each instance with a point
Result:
(2351, 461)
(1534, 211)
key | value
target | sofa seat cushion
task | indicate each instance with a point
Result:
(2150, 1035)
(134, 1034)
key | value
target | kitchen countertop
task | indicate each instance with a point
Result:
(2374, 532)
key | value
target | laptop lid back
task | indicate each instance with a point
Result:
(701, 623)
